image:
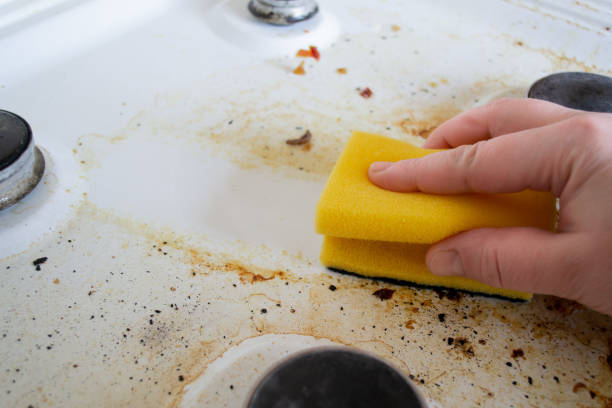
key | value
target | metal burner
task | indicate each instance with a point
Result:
(577, 90)
(335, 377)
(21, 163)
(283, 12)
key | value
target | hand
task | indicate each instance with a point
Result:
(507, 146)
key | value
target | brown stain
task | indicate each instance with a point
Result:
(563, 306)
(518, 353)
(421, 123)
(609, 358)
(410, 324)
(606, 402)
(464, 346)
(559, 60)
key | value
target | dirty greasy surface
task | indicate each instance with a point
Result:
(189, 235)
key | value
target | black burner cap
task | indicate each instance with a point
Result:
(576, 90)
(335, 378)
(15, 136)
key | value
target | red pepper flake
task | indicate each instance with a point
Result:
(315, 52)
(366, 93)
(304, 53)
(384, 294)
(304, 139)
(300, 69)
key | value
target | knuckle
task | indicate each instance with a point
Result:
(586, 126)
(467, 159)
(492, 267)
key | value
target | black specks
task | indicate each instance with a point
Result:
(157, 311)
(514, 383)
(530, 380)
(450, 341)
(91, 317)
(556, 379)
(231, 386)
(332, 288)
(264, 311)
(150, 321)
(508, 363)
(181, 378)
(39, 261)
(441, 317)
(49, 347)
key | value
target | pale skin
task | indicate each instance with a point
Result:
(507, 146)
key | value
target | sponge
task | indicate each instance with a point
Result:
(373, 232)
(352, 207)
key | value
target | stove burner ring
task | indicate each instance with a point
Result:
(335, 377)
(576, 90)
(22, 164)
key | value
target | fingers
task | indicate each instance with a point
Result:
(538, 159)
(500, 117)
(525, 259)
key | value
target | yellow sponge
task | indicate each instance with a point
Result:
(352, 207)
(369, 230)
(398, 261)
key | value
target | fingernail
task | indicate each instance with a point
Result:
(377, 167)
(445, 263)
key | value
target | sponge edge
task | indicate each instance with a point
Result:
(352, 207)
(399, 261)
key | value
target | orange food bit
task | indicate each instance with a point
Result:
(304, 53)
(300, 69)
(341, 71)
(395, 28)
(366, 93)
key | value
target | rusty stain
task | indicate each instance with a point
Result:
(428, 119)
(518, 353)
(463, 345)
(410, 324)
(384, 293)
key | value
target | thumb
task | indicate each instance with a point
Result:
(525, 259)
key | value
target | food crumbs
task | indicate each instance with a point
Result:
(56, 281)
(300, 69)
(302, 140)
(366, 93)
(384, 294)
(341, 71)
(315, 52)
(410, 324)
(395, 28)
(181, 378)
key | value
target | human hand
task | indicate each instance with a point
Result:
(507, 146)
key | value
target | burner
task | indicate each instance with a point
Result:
(283, 12)
(21, 163)
(577, 90)
(335, 377)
